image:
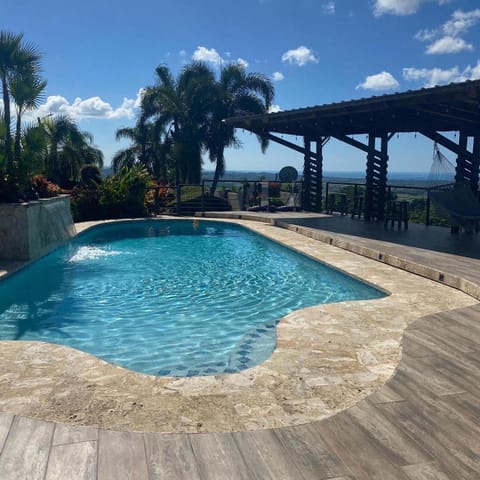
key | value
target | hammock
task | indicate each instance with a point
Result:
(442, 170)
(460, 204)
(456, 200)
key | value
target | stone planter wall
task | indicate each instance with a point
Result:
(30, 230)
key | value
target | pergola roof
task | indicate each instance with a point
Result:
(447, 108)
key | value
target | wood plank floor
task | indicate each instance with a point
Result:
(424, 424)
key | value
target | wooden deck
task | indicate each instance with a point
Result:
(424, 424)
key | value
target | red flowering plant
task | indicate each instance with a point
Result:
(44, 188)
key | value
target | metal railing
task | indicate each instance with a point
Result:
(188, 199)
(401, 192)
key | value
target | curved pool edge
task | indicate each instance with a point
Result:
(327, 359)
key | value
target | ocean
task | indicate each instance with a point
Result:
(353, 176)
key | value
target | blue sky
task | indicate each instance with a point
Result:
(98, 55)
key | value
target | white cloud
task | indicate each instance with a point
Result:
(328, 8)
(277, 76)
(461, 22)
(242, 62)
(448, 45)
(299, 56)
(425, 35)
(93, 107)
(431, 77)
(380, 81)
(209, 55)
(437, 76)
(400, 7)
(446, 39)
(274, 109)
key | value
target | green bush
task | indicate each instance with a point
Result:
(84, 204)
(123, 195)
(9, 189)
(120, 196)
(90, 176)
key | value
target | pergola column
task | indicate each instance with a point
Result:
(467, 169)
(376, 177)
(313, 176)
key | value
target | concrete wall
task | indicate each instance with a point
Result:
(30, 230)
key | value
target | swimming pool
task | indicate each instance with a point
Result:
(168, 297)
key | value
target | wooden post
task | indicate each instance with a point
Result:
(476, 163)
(461, 169)
(307, 205)
(369, 179)
(319, 179)
(313, 175)
(376, 178)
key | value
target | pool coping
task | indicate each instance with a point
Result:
(314, 372)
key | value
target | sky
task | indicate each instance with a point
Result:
(98, 55)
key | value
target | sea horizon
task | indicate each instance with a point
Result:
(422, 176)
(329, 174)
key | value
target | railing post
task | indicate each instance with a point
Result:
(327, 206)
(427, 216)
(203, 197)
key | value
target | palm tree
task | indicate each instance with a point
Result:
(238, 93)
(68, 148)
(34, 149)
(27, 92)
(184, 104)
(17, 60)
(151, 147)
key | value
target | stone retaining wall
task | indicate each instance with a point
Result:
(30, 230)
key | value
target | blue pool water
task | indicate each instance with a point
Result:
(177, 298)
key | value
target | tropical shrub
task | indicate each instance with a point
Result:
(90, 176)
(9, 188)
(84, 204)
(123, 195)
(44, 187)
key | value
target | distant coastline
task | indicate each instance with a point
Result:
(354, 176)
(329, 176)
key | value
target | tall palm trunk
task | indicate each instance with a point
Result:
(7, 117)
(219, 170)
(18, 137)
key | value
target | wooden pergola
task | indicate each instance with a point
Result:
(431, 112)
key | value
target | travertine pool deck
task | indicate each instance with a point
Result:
(327, 359)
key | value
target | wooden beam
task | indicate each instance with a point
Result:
(291, 145)
(359, 145)
(452, 146)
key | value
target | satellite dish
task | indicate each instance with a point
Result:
(288, 174)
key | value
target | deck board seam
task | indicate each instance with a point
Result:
(47, 463)
(7, 435)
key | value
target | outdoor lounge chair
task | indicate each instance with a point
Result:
(460, 203)
(292, 203)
